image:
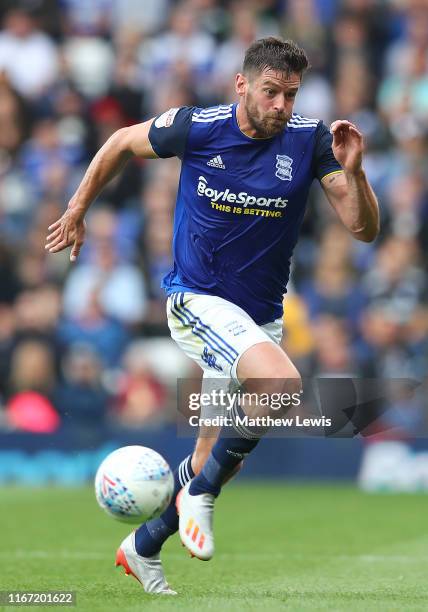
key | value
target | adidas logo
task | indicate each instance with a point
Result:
(216, 162)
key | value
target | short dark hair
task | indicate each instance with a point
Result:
(281, 55)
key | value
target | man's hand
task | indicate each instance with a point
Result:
(347, 145)
(69, 230)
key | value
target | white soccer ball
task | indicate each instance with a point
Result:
(134, 484)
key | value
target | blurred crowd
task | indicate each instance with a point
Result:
(88, 343)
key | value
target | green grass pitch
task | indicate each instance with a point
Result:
(279, 547)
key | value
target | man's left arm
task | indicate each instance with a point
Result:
(349, 191)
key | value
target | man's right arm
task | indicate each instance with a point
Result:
(163, 136)
(107, 163)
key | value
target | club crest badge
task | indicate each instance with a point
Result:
(283, 167)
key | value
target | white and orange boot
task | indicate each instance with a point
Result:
(196, 523)
(147, 570)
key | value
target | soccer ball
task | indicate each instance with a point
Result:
(134, 484)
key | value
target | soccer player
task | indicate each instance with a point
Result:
(245, 176)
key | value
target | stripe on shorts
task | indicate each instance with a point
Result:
(225, 349)
(200, 333)
(229, 347)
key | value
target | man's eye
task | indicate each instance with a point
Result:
(270, 92)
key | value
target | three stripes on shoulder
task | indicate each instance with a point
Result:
(217, 113)
(213, 114)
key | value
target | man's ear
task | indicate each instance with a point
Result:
(241, 84)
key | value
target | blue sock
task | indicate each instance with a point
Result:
(224, 457)
(150, 537)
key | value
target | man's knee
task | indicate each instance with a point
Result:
(265, 367)
(269, 378)
(282, 378)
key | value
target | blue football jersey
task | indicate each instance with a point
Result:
(240, 203)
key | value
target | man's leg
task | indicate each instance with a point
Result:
(150, 537)
(266, 369)
(193, 320)
(139, 553)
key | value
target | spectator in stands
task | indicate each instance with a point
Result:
(32, 368)
(92, 326)
(333, 289)
(48, 160)
(184, 47)
(119, 285)
(81, 398)
(333, 358)
(141, 397)
(13, 118)
(27, 55)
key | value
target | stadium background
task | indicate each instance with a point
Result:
(86, 363)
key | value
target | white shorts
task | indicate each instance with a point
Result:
(215, 333)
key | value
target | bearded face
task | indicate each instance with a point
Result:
(266, 124)
(267, 99)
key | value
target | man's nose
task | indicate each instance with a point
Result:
(279, 103)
